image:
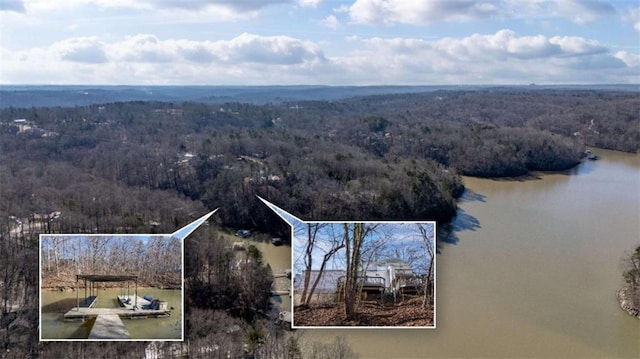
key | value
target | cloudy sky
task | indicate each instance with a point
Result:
(329, 42)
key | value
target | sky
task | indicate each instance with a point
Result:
(399, 235)
(394, 240)
(319, 42)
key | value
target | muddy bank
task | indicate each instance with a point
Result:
(66, 282)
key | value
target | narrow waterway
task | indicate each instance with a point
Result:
(530, 270)
(279, 259)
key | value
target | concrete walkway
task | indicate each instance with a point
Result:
(109, 326)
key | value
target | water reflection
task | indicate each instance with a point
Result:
(470, 196)
(531, 176)
(55, 304)
(60, 306)
(463, 221)
(448, 232)
(534, 272)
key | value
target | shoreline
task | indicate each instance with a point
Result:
(626, 304)
(58, 289)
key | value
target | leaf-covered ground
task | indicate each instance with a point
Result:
(370, 313)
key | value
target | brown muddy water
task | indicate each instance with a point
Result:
(55, 304)
(531, 270)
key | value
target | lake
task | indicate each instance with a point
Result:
(55, 304)
(531, 269)
(279, 259)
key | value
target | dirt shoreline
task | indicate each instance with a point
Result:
(370, 313)
(72, 289)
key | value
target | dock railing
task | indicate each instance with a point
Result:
(364, 281)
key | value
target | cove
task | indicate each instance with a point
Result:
(530, 269)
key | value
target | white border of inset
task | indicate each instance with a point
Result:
(108, 340)
(192, 226)
(277, 210)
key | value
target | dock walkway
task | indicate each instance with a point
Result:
(109, 326)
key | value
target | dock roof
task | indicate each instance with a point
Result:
(107, 278)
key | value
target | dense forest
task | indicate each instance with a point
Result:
(155, 260)
(152, 167)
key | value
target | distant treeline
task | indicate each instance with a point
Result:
(605, 119)
(153, 167)
(155, 260)
(149, 166)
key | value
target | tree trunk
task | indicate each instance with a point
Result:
(429, 278)
(353, 245)
(307, 274)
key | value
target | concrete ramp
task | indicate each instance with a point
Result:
(109, 326)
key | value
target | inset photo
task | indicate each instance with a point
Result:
(111, 287)
(364, 274)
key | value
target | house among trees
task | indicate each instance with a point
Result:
(396, 275)
(391, 276)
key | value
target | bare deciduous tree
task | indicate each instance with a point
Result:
(354, 237)
(331, 243)
(427, 238)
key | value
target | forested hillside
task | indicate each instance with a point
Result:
(148, 166)
(606, 119)
(152, 167)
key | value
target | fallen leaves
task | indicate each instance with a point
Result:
(370, 314)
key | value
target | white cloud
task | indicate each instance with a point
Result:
(583, 11)
(507, 44)
(331, 22)
(143, 48)
(245, 48)
(239, 5)
(269, 50)
(424, 12)
(370, 11)
(187, 5)
(574, 45)
(341, 8)
(501, 57)
(633, 15)
(419, 12)
(631, 60)
(44, 66)
(498, 46)
(310, 3)
(48, 5)
(81, 49)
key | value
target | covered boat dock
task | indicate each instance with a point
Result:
(91, 297)
(131, 305)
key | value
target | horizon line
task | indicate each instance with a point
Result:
(532, 84)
